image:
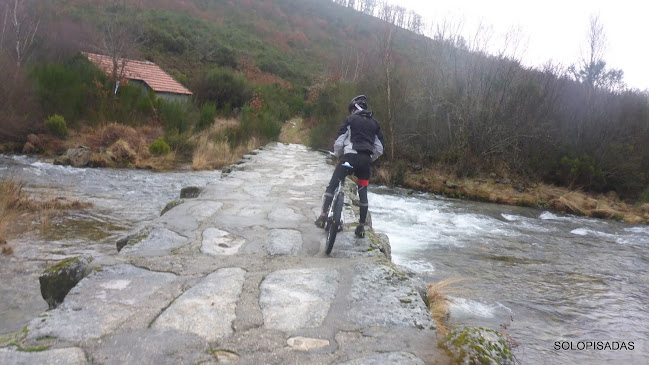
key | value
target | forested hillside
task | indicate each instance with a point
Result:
(442, 101)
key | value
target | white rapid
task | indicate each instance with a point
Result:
(546, 279)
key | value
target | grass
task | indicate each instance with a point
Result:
(15, 202)
(438, 301)
(214, 153)
(294, 131)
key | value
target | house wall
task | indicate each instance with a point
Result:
(181, 98)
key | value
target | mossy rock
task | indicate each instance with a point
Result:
(190, 192)
(477, 345)
(57, 281)
(133, 238)
(170, 206)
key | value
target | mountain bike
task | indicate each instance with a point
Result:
(335, 220)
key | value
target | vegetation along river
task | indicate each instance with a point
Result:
(543, 278)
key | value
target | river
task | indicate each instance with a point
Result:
(542, 277)
(122, 200)
(548, 280)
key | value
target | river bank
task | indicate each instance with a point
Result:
(502, 190)
(496, 189)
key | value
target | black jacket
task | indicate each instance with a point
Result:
(360, 133)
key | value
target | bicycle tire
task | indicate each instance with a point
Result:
(335, 223)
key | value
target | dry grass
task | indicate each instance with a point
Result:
(212, 154)
(439, 301)
(10, 196)
(607, 206)
(14, 201)
(294, 131)
(111, 133)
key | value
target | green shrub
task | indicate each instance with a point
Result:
(399, 173)
(644, 196)
(175, 116)
(69, 89)
(56, 125)
(223, 88)
(208, 113)
(180, 142)
(159, 147)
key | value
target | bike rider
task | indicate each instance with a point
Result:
(359, 142)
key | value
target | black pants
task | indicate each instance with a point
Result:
(362, 163)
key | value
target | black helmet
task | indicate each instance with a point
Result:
(358, 103)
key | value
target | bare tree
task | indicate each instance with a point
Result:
(120, 37)
(19, 27)
(591, 69)
(386, 50)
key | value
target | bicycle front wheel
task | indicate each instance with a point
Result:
(335, 221)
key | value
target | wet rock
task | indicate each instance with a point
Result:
(171, 205)
(101, 302)
(57, 281)
(134, 238)
(208, 308)
(298, 298)
(71, 356)
(219, 242)
(382, 296)
(284, 242)
(402, 358)
(470, 345)
(151, 346)
(505, 181)
(159, 242)
(305, 343)
(190, 192)
(76, 157)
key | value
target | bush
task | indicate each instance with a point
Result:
(176, 116)
(69, 89)
(55, 125)
(208, 113)
(223, 88)
(159, 147)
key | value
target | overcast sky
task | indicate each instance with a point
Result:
(554, 30)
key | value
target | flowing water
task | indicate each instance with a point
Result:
(542, 277)
(548, 280)
(122, 200)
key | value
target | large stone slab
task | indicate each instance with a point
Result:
(396, 358)
(68, 356)
(159, 242)
(150, 346)
(219, 242)
(284, 214)
(299, 298)
(208, 308)
(187, 217)
(284, 242)
(382, 297)
(100, 303)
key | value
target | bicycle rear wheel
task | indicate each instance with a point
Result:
(335, 221)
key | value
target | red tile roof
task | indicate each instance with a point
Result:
(146, 71)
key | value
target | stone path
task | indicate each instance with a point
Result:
(239, 275)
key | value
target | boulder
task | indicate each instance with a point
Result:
(57, 281)
(76, 157)
(451, 184)
(471, 345)
(190, 192)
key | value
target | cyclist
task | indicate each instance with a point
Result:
(359, 142)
